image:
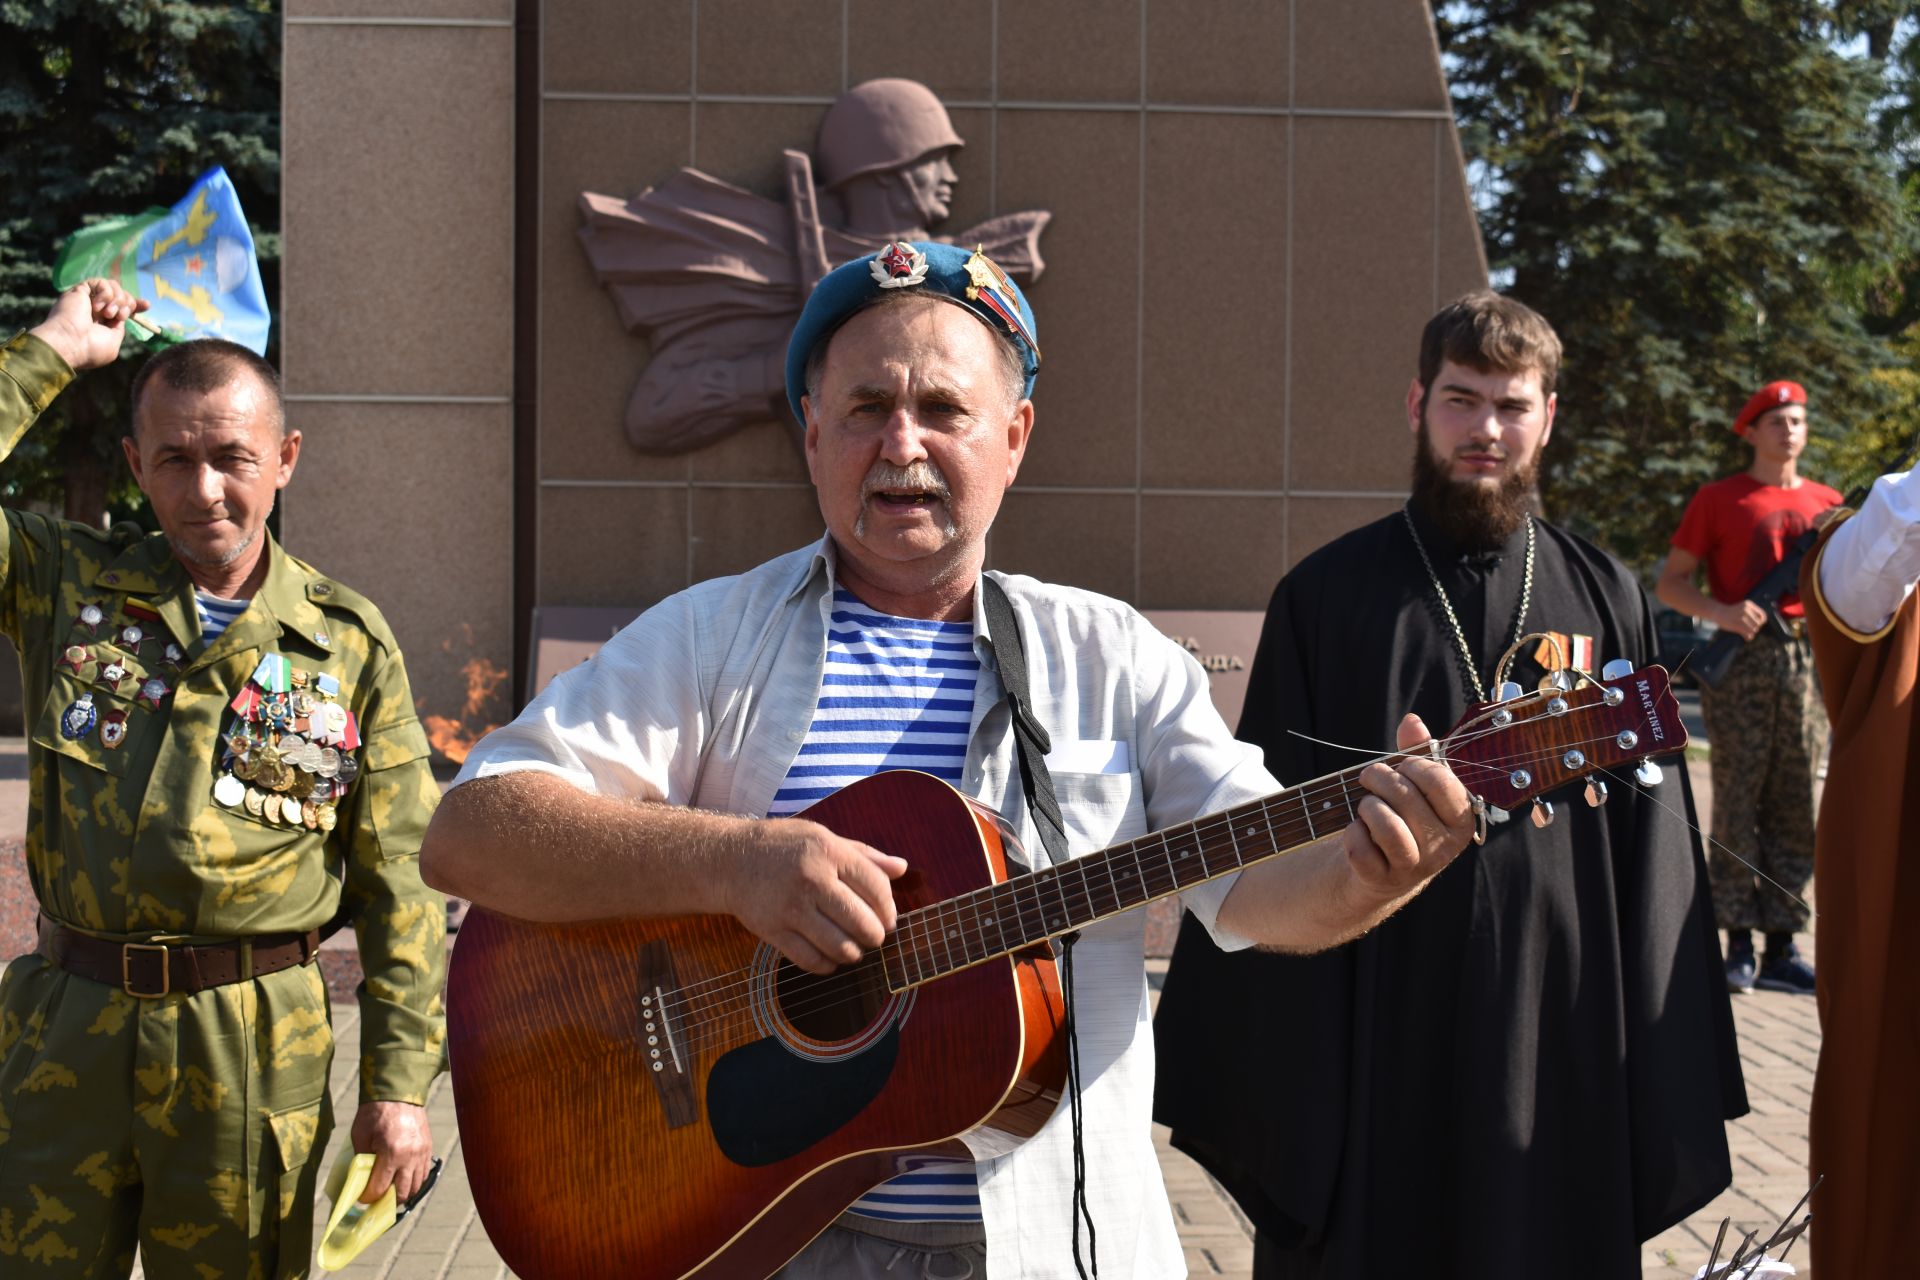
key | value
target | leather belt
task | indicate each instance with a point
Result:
(149, 970)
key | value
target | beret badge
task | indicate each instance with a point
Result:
(898, 266)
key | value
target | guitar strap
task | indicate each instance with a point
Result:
(1031, 742)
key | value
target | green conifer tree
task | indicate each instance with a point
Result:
(1678, 185)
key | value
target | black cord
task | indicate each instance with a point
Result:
(1080, 1206)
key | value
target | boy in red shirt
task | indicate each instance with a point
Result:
(1764, 722)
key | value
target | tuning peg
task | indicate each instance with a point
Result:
(1556, 682)
(1648, 774)
(1497, 815)
(1596, 793)
(1507, 692)
(1542, 813)
(1618, 669)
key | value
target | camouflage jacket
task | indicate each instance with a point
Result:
(127, 734)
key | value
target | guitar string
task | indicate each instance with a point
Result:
(1303, 792)
(813, 994)
(959, 920)
(1075, 900)
(1305, 795)
(926, 925)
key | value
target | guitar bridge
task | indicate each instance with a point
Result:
(668, 1055)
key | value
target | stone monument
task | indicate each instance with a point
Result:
(715, 275)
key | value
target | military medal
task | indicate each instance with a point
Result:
(230, 791)
(75, 658)
(111, 675)
(152, 692)
(113, 729)
(131, 635)
(77, 720)
(91, 616)
(988, 285)
(285, 720)
(173, 655)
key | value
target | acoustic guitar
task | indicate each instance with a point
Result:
(666, 1098)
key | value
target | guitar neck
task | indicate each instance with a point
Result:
(1506, 752)
(1000, 919)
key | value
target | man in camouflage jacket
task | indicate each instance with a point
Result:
(201, 805)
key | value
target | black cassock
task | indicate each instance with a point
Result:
(1525, 1071)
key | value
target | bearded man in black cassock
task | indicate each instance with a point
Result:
(1527, 1070)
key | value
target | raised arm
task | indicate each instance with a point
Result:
(1869, 567)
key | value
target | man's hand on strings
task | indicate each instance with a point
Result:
(1415, 819)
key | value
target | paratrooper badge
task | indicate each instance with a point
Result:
(898, 265)
(113, 729)
(77, 721)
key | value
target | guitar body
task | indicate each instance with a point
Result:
(667, 1098)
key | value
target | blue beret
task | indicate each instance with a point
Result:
(968, 277)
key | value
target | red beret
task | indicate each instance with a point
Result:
(1771, 396)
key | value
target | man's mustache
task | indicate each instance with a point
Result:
(920, 477)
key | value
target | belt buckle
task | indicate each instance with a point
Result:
(126, 970)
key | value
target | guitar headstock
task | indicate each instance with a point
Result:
(1521, 747)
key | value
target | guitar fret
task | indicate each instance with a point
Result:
(1234, 841)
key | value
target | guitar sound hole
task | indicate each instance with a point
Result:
(836, 1007)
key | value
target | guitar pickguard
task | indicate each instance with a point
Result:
(764, 1104)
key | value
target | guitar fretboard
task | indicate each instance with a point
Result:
(1000, 919)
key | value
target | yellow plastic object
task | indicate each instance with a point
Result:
(352, 1226)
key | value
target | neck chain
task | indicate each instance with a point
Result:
(1459, 636)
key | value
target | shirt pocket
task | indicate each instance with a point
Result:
(118, 717)
(1100, 809)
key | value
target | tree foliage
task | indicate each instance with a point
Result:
(110, 107)
(1703, 196)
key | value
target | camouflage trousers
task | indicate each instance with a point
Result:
(184, 1123)
(1767, 731)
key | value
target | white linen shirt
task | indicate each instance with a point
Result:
(1868, 568)
(704, 701)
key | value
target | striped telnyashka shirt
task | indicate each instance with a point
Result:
(896, 693)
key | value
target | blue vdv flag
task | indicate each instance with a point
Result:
(193, 263)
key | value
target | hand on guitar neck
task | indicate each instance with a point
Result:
(535, 847)
(1416, 818)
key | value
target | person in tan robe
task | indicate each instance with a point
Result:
(1865, 1126)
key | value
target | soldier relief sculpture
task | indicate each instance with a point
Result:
(714, 276)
